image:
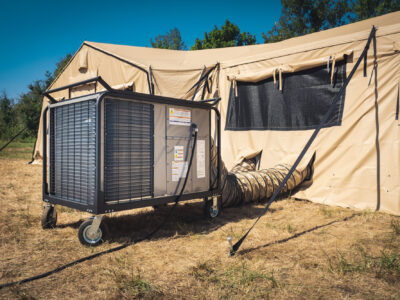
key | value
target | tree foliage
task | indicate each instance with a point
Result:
(171, 40)
(228, 36)
(364, 9)
(7, 116)
(30, 104)
(300, 17)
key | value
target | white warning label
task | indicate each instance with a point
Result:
(179, 170)
(178, 153)
(179, 116)
(201, 158)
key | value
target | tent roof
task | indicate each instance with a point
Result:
(164, 59)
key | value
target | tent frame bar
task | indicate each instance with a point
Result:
(125, 61)
(94, 79)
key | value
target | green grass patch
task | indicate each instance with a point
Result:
(133, 286)
(385, 265)
(129, 282)
(235, 279)
(17, 150)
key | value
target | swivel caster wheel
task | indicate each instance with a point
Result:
(212, 207)
(49, 217)
(92, 232)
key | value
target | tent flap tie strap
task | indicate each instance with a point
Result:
(333, 68)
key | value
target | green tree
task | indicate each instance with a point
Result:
(364, 9)
(300, 17)
(171, 40)
(30, 105)
(228, 36)
(7, 116)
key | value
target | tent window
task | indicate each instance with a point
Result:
(301, 105)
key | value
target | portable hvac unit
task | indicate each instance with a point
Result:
(118, 150)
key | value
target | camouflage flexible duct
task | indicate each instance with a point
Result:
(244, 184)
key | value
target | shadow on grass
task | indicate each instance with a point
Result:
(71, 224)
(187, 218)
(296, 235)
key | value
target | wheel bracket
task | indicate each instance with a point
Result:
(92, 230)
(215, 202)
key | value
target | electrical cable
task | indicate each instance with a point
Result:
(13, 138)
(193, 134)
(18, 134)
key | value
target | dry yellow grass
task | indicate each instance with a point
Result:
(298, 250)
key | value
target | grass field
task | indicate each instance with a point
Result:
(17, 150)
(299, 250)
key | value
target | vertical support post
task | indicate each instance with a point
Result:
(44, 129)
(99, 197)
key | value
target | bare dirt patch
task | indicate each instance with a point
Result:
(298, 250)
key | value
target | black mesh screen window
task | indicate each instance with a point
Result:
(301, 105)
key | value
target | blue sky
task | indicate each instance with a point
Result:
(36, 34)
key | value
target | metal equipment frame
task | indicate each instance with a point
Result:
(99, 206)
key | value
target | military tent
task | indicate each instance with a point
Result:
(274, 95)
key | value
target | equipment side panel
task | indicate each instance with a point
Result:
(201, 162)
(179, 147)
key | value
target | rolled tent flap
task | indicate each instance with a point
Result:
(83, 60)
(260, 75)
(125, 86)
(252, 76)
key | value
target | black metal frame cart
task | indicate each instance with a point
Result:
(118, 150)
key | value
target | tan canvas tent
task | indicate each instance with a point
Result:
(273, 96)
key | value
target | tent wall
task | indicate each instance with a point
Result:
(346, 166)
(357, 163)
(179, 84)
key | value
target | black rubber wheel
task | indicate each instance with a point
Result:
(49, 217)
(95, 240)
(209, 211)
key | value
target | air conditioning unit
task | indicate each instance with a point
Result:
(115, 150)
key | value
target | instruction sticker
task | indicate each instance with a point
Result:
(201, 158)
(178, 153)
(179, 170)
(179, 116)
